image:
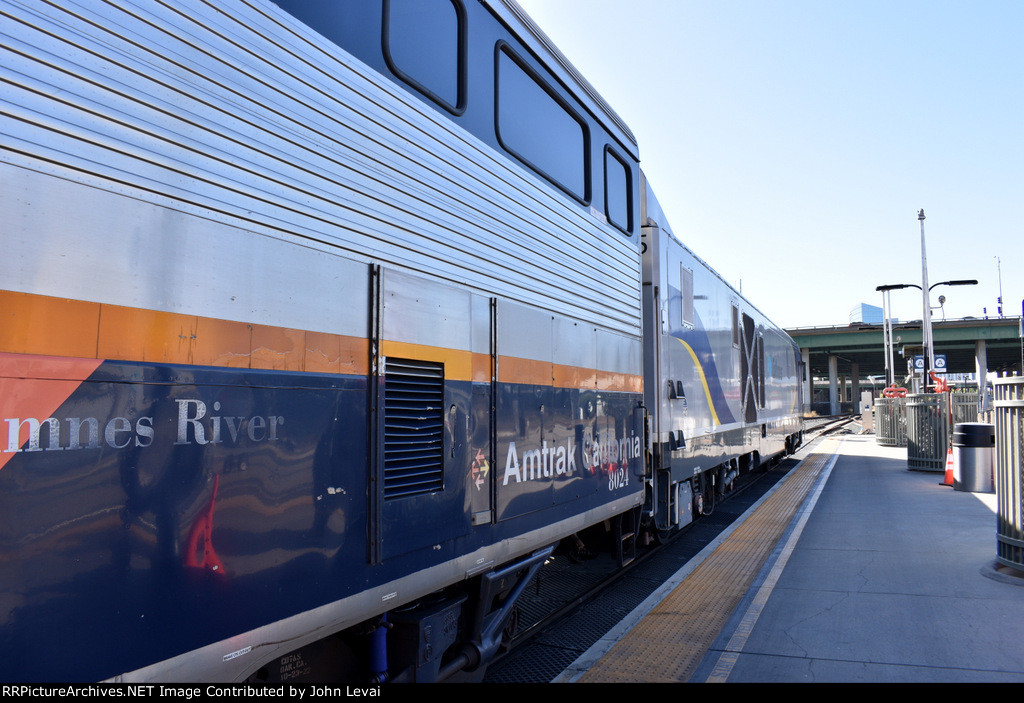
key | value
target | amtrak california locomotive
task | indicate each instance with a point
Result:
(321, 324)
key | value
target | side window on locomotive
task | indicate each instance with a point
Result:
(686, 295)
(534, 125)
(424, 45)
(618, 191)
(735, 326)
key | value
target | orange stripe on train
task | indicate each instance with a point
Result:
(37, 324)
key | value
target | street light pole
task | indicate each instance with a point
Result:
(886, 337)
(890, 372)
(926, 319)
(926, 334)
(999, 300)
(890, 364)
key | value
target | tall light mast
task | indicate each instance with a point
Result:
(926, 319)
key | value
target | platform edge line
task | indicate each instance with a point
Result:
(585, 661)
(730, 655)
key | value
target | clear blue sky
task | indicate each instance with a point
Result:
(792, 142)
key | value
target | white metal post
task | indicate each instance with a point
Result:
(926, 319)
(887, 339)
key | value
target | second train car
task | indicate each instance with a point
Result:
(722, 383)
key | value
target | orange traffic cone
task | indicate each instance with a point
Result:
(949, 468)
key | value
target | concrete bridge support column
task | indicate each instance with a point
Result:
(833, 384)
(805, 356)
(855, 387)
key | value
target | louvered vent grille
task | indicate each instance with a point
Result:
(413, 427)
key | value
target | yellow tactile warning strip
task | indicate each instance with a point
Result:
(669, 643)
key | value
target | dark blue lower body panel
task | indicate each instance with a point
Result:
(169, 508)
(161, 509)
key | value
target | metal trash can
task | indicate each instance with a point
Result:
(1009, 414)
(927, 431)
(891, 422)
(974, 446)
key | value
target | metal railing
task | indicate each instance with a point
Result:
(964, 407)
(1009, 422)
(891, 422)
(930, 418)
(927, 431)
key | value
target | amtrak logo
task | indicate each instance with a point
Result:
(540, 464)
(547, 463)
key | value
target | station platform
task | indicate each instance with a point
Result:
(852, 569)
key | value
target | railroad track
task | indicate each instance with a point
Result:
(569, 581)
(821, 426)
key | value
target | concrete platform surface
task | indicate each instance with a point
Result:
(886, 576)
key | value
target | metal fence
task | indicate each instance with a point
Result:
(964, 407)
(927, 431)
(891, 422)
(1009, 422)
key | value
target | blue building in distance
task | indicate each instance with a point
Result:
(867, 314)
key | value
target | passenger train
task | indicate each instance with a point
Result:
(321, 324)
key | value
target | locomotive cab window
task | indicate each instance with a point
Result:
(538, 128)
(618, 192)
(424, 45)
